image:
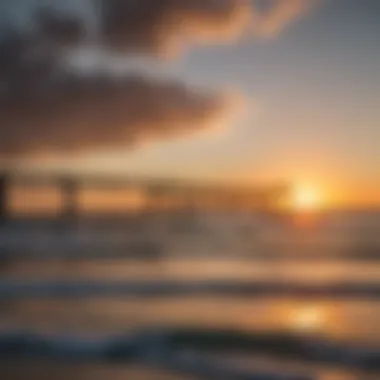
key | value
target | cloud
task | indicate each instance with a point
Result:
(45, 108)
(80, 114)
(167, 26)
(158, 27)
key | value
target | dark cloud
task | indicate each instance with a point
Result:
(165, 27)
(94, 113)
(26, 65)
(45, 108)
(60, 28)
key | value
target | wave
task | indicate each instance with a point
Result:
(167, 347)
(172, 288)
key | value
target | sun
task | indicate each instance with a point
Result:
(306, 198)
(308, 319)
(305, 318)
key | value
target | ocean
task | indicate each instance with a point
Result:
(282, 299)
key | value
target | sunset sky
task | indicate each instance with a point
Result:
(302, 101)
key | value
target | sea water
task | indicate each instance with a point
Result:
(341, 247)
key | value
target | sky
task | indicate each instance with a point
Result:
(295, 98)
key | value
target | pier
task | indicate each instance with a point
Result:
(157, 194)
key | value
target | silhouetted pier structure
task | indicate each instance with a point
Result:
(157, 194)
(4, 198)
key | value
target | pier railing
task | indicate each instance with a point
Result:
(156, 193)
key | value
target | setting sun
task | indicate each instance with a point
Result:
(308, 319)
(305, 198)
